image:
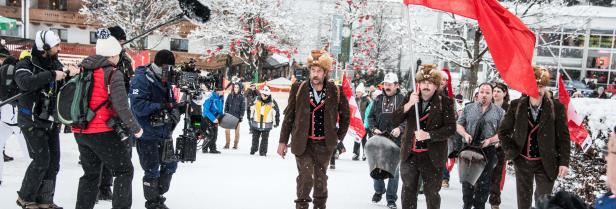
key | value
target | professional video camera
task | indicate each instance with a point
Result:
(189, 81)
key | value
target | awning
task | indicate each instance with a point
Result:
(276, 61)
(7, 23)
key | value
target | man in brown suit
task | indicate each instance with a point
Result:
(424, 152)
(314, 108)
(535, 136)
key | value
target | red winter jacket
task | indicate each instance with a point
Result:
(119, 98)
(98, 124)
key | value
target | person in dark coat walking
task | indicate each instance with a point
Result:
(236, 106)
(424, 152)
(535, 135)
(98, 143)
(314, 108)
(501, 99)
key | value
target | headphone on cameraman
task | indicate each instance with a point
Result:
(46, 46)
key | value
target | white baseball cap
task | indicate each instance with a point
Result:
(390, 78)
(50, 37)
(360, 88)
(266, 91)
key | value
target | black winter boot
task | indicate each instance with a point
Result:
(105, 194)
(151, 194)
(47, 193)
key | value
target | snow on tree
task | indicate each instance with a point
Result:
(587, 177)
(134, 16)
(376, 36)
(250, 30)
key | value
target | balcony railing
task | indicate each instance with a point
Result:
(10, 12)
(60, 17)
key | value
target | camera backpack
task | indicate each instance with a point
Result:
(73, 101)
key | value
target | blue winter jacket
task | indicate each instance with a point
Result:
(607, 201)
(148, 96)
(213, 107)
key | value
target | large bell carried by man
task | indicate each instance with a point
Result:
(472, 162)
(383, 157)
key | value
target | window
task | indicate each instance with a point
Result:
(62, 33)
(14, 3)
(179, 45)
(601, 41)
(58, 5)
(93, 37)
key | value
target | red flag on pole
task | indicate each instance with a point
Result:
(577, 131)
(356, 128)
(511, 43)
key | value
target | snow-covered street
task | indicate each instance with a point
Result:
(233, 180)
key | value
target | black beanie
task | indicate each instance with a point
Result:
(118, 33)
(164, 57)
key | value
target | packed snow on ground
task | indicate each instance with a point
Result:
(234, 179)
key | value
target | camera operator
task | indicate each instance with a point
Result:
(99, 144)
(152, 100)
(42, 75)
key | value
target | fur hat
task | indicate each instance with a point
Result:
(542, 76)
(320, 58)
(428, 72)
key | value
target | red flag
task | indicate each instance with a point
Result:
(511, 43)
(577, 131)
(356, 128)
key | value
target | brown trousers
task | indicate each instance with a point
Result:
(497, 177)
(312, 168)
(228, 136)
(419, 165)
(525, 172)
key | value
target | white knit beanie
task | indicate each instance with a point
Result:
(50, 38)
(107, 45)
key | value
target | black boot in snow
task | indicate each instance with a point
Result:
(105, 194)
(377, 197)
(151, 194)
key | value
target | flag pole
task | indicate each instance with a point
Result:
(411, 71)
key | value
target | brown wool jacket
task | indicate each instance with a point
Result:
(297, 117)
(554, 141)
(441, 125)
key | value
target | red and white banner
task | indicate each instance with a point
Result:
(356, 128)
(577, 131)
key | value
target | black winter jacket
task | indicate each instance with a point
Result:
(37, 74)
(235, 105)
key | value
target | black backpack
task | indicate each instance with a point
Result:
(8, 86)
